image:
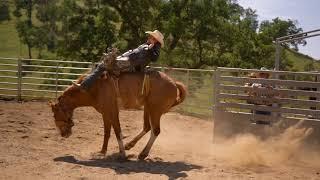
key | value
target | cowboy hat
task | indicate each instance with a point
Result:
(252, 75)
(157, 35)
(264, 71)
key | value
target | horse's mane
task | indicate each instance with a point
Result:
(71, 88)
(81, 78)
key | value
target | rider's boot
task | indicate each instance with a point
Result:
(88, 81)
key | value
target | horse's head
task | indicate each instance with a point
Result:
(62, 118)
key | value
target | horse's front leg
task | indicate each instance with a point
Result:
(107, 129)
(117, 130)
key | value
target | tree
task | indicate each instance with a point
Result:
(270, 30)
(25, 28)
(198, 33)
(48, 14)
(136, 18)
(86, 30)
(4, 11)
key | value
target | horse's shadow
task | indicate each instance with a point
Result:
(173, 170)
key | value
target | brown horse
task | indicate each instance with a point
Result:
(162, 94)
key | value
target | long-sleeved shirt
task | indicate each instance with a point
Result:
(142, 55)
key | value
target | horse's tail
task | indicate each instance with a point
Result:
(182, 93)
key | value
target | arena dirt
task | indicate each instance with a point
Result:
(30, 148)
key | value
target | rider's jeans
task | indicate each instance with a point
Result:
(93, 76)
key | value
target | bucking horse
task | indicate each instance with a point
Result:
(155, 91)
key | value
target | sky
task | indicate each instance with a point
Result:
(306, 12)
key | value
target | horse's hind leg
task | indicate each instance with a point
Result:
(145, 130)
(155, 131)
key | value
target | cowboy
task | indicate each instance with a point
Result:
(136, 59)
(262, 97)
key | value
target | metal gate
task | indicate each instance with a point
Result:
(294, 96)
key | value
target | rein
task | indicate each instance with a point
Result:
(145, 85)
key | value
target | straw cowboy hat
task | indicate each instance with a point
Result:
(157, 35)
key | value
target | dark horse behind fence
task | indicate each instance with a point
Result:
(160, 94)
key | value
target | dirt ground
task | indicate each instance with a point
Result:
(30, 148)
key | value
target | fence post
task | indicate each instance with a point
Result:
(277, 56)
(162, 69)
(187, 84)
(57, 79)
(93, 66)
(216, 83)
(317, 79)
(19, 79)
(188, 77)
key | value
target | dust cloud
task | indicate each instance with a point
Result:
(286, 147)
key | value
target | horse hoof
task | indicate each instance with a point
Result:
(142, 156)
(98, 155)
(122, 157)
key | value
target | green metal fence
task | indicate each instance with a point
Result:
(25, 79)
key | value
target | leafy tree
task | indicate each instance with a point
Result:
(25, 28)
(198, 33)
(270, 30)
(136, 17)
(48, 14)
(4, 11)
(86, 31)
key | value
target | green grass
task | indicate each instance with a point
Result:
(300, 60)
(10, 45)
(200, 93)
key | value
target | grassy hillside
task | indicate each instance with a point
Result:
(302, 62)
(10, 44)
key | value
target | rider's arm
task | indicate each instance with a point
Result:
(154, 52)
